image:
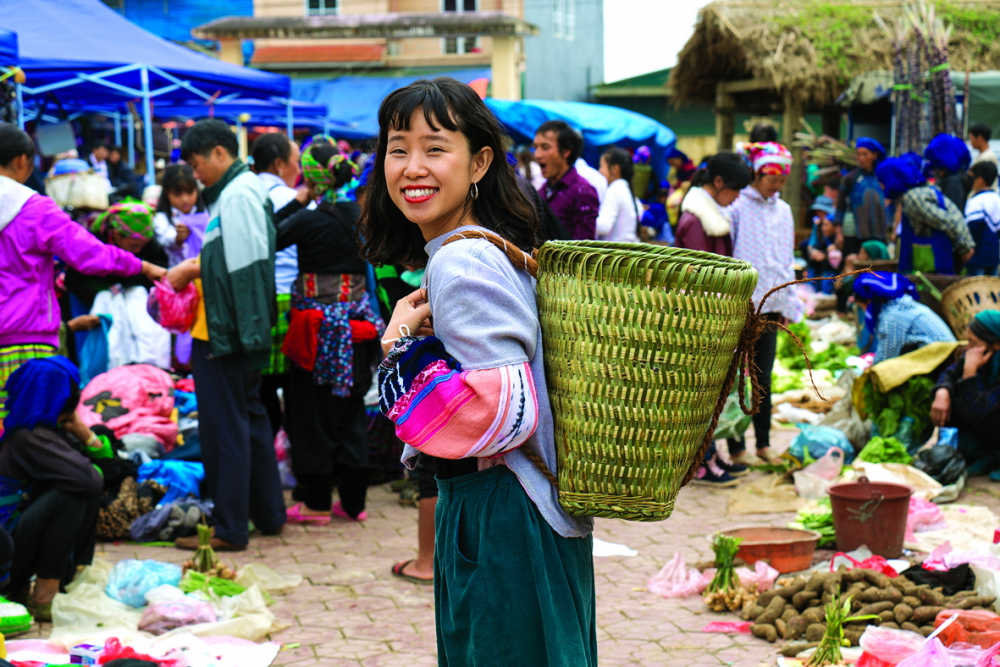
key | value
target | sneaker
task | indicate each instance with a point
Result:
(734, 469)
(338, 511)
(745, 458)
(711, 474)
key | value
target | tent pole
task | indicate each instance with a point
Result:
(290, 120)
(130, 134)
(118, 129)
(20, 105)
(147, 128)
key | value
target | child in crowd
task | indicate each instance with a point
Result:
(181, 217)
(982, 215)
(514, 576)
(822, 255)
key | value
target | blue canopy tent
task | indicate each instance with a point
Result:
(354, 100)
(8, 48)
(600, 125)
(261, 112)
(84, 51)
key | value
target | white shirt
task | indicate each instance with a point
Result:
(989, 155)
(286, 262)
(619, 215)
(593, 177)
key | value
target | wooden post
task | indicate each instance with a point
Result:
(725, 124)
(503, 64)
(231, 51)
(790, 122)
(831, 121)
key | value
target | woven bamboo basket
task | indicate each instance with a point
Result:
(964, 299)
(638, 342)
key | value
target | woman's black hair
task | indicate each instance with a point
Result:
(177, 177)
(763, 132)
(322, 152)
(268, 148)
(619, 156)
(387, 236)
(72, 400)
(14, 142)
(731, 167)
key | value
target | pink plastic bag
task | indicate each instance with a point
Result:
(174, 311)
(877, 563)
(991, 658)
(931, 654)
(763, 575)
(676, 580)
(161, 618)
(829, 465)
(728, 627)
(923, 516)
(944, 558)
(889, 646)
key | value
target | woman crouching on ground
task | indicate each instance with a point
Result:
(513, 574)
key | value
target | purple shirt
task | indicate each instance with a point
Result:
(575, 203)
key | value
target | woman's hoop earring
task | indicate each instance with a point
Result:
(474, 192)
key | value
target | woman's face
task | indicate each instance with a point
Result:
(183, 200)
(127, 244)
(429, 173)
(863, 256)
(612, 172)
(866, 158)
(826, 227)
(976, 341)
(289, 171)
(725, 196)
(770, 184)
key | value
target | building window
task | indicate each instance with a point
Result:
(321, 7)
(467, 44)
(564, 19)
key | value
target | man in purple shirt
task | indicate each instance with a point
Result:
(571, 198)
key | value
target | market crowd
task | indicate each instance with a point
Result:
(309, 275)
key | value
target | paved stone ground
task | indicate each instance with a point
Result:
(351, 612)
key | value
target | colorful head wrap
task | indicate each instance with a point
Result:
(769, 158)
(948, 153)
(132, 219)
(366, 173)
(870, 144)
(898, 175)
(643, 154)
(674, 153)
(986, 325)
(876, 249)
(322, 176)
(37, 393)
(878, 288)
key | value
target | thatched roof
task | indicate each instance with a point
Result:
(816, 47)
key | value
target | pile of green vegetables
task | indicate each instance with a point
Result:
(912, 399)
(820, 519)
(788, 354)
(885, 450)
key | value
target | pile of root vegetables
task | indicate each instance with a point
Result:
(797, 609)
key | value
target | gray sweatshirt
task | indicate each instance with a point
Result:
(485, 313)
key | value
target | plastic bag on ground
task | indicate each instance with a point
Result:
(86, 614)
(990, 658)
(130, 580)
(728, 627)
(245, 616)
(829, 465)
(965, 655)
(876, 563)
(817, 440)
(890, 646)
(676, 580)
(163, 617)
(932, 654)
(978, 627)
(944, 558)
(923, 516)
(113, 650)
(943, 463)
(988, 581)
(763, 576)
(810, 486)
(182, 478)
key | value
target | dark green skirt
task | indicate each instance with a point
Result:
(508, 590)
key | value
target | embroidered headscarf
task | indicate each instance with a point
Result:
(37, 393)
(323, 176)
(870, 144)
(898, 175)
(880, 287)
(948, 153)
(769, 158)
(132, 219)
(986, 325)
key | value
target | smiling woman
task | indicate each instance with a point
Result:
(473, 392)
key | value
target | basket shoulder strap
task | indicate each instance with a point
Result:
(519, 258)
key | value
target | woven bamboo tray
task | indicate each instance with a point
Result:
(638, 341)
(964, 299)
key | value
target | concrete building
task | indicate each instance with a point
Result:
(567, 57)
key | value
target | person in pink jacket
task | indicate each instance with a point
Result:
(703, 225)
(33, 231)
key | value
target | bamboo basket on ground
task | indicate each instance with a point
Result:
(939, 283)
(638, 343)
(964, 299)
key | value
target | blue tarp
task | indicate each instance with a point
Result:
(8, 48)
(260, 111)
(601, 126)
(354, 100)
(61, 39)
(174, 20)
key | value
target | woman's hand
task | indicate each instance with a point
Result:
(152, 271)
(411, 317)
(73, 425)
(976, 358)
(181, 275)
(967, 256)
(83, 323)
(183, 232)
(305, 193)
(941, 407)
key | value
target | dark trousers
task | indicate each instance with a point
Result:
(763, 358)
(977, 434)
(329, 439)
(241, 472)
(269, 386)
(54, 535)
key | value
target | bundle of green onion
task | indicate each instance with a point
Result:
(725, 547)
(828, 651)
